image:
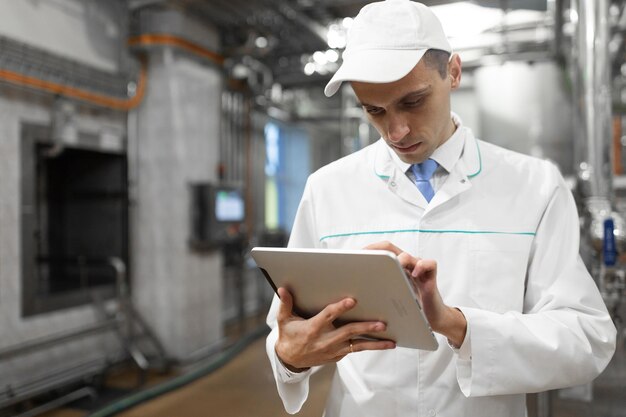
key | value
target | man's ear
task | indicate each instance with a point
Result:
(454, 71)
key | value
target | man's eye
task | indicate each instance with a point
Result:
(414, 103)
(374, 110)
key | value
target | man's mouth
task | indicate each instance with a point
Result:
(408, 148)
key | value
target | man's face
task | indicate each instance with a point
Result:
(412, 114)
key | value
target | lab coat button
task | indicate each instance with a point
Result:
(463, 181)
(432, 413)
(393, 184)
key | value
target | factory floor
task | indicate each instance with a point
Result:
(244, 387)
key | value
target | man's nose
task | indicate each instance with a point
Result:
(397, 128)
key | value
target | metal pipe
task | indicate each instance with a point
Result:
(556, 9)
(119, 267)
(594, 102)
(544, 404)
(46, 341)
(122, 324)
(256, 69)
(594, 122)
(125, 332)
(58, 402)
(160, 39)
(80, 94)
(16, 394)
(593, 105)
(64, 336)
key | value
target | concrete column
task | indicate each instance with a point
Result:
(175, 142)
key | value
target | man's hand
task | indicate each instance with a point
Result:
(443, 319)
(305, 343)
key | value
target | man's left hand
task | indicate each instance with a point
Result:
(443, 319)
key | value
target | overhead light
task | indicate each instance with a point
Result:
(331, 55)
(336, 35)
(321, 62)
(261, 42)
(322, 69)
(320, 58)
(240, 71)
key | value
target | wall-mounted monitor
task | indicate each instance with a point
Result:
(229, 204)
(217, 214)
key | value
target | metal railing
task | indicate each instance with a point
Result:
(125, 323)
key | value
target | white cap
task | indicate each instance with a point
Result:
(386, 41)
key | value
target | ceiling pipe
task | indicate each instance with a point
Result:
(160, 39)
(80, 94)
(314, 27)
(138, 4)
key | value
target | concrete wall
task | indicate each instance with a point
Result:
(16, 108)
(88, 31)
(173, 141)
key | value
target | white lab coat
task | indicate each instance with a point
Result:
(504, 230)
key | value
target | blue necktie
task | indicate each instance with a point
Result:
(423, 172)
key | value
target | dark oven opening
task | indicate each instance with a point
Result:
(76, 220)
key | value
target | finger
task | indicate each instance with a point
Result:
(407, 261)
(385, 245)
(426, 282)
(424, 268)
(332, 311)
(351, 330)
(347, 348)
(342, 351)
(361, 345)
(286, 304)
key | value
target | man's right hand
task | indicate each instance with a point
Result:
(305, 343)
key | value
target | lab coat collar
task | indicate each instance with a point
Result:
(468, 166)
(469, 163)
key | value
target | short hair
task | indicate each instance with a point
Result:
(438, 60)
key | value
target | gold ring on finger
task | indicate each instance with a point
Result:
(351, 350)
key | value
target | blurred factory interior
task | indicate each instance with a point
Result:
(147, 145)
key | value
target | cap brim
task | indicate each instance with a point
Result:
(374, 66)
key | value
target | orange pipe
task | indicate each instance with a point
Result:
(163, 39)
(80, 94)
(108, 101)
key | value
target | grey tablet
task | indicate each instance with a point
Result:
(318, 277)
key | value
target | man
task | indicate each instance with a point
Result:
(490, 238)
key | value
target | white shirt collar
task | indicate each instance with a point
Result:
(446, 155)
